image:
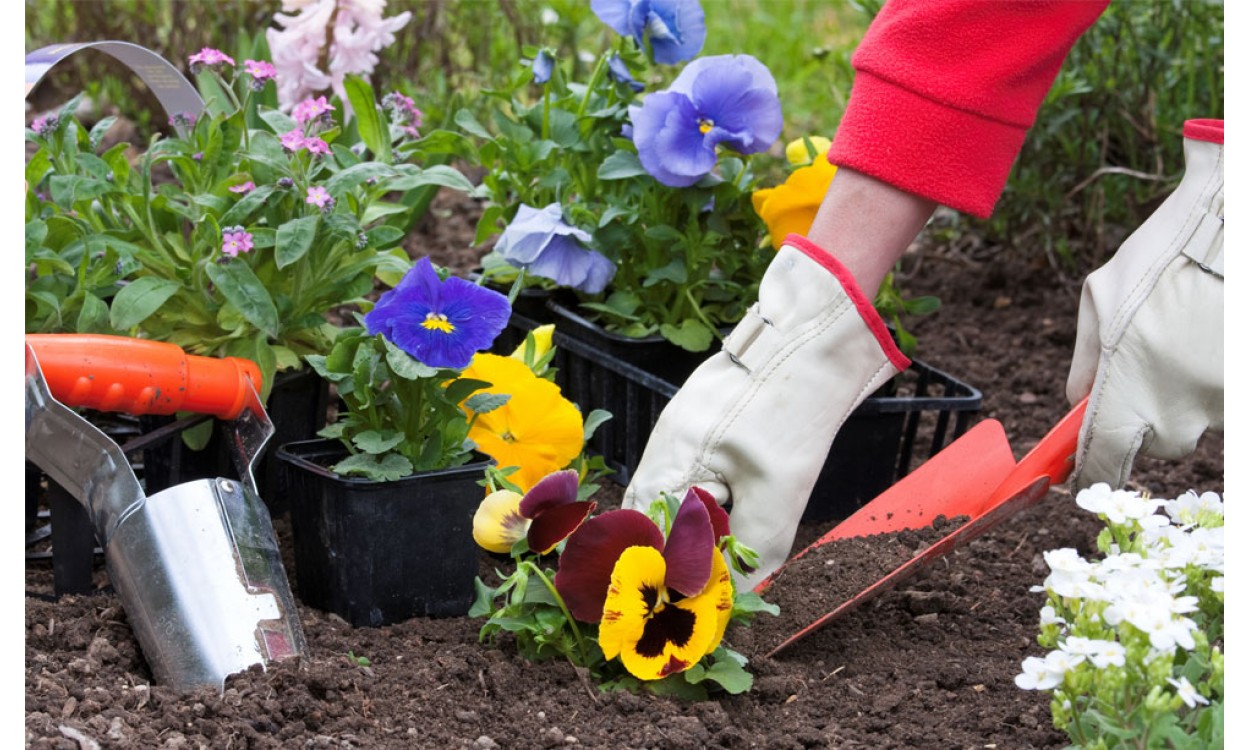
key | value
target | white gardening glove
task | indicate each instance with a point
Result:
(1150, 336)
(753, 424)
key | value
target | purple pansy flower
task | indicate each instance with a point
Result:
(674, 27)
(440, 323)
(729, 99)
(235, 240)
(542, 66)
(208, 57)
(619, 72)
(543, 244)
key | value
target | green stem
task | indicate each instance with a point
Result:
(577, 633)
(601, 68)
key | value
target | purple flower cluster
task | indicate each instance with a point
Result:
(313, 110)
(209, 58)
(403, 112)
(46, 125)
(261, 72)
(235, 240)
(321, 198)
(295, 141)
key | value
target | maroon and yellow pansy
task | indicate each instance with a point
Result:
(662, 604)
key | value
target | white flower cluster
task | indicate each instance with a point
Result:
(1144, 592)
(359, 32)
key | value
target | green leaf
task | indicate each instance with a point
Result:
(357, 174)
(692, 335)
(93, 317)
(437, 175)
(405, 365)
(922, 305)
(373, 131)
(238, 283)
(384, 235)
(483, 403)
(243, 209)
(281, 122)
(730, 675)
(377, 442)
(621, 165)
(592, 421)
(483, 599)
(136, 301)
(387, 469)
(460, 389)
(36, 232)
(468, 123)
(294, 240)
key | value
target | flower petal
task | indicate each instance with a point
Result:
(688, 551)
(554, 525)
(537, 430)
(592, 551)
(557, 488)
(717, 514)
(498, 524)
(670, 145)
(636, 578)
(677, 30)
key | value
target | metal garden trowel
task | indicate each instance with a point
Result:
(197, 565)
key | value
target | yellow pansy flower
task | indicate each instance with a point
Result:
(537, 430)
(790, 208)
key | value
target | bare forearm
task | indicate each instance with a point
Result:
(867, 225)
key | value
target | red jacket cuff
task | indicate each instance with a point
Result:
(967, 158)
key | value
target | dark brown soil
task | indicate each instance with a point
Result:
(929, 665)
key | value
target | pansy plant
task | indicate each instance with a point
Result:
(401, 375)
(638, 201)
(641, 599)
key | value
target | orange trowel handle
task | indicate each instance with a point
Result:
(116, 373)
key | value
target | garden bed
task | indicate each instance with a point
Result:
(930, 664)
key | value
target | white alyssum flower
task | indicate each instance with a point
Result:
(1217, 584)
(1191, 508)
(1069, 573)
(1107, 654)
(1044, 674)
(1187, 692)
(1117, 506)
(1049, 617)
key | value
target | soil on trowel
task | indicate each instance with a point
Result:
(824, 577)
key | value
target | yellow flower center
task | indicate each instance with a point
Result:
(437, 322)
(705, 126)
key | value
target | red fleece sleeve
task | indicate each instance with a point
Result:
(945, 91)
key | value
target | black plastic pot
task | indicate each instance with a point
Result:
(297, 407)
(655, 355)
(377, 553)
(908, 420)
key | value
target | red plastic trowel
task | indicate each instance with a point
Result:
(976, 476)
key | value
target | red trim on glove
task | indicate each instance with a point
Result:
(1211, 131)
(866, 311)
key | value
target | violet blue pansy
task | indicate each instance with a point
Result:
(540, 241)
(542, 66)
(675, 28)
(441, 323)
(725, 99)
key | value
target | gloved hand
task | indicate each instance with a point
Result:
(753, 424)
(1150, 335)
